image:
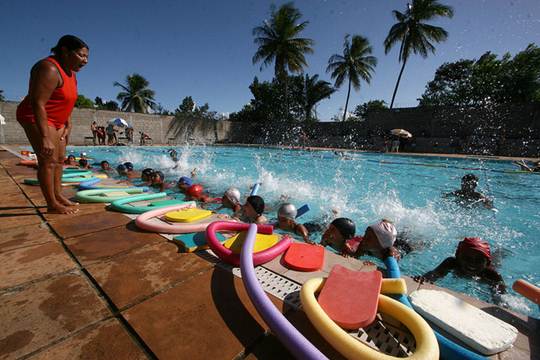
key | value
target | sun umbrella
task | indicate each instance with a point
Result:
(119, 122)
(401, 133)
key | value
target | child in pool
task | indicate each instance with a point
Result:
(472, 258)
(196, 192)
(83, 164)
(378, 239)
(184, 183)
(252, 211)
(105, 167)
(146, 176)
(70, 161)
(468, 195)
(287, 222)
(130, 172)
(231, 200)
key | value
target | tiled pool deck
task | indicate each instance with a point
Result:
(93, 286)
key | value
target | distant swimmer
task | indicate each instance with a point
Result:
(468, 194)
(524, 167)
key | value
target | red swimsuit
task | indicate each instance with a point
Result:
(59, 105)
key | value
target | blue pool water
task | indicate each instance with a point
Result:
(367, 187)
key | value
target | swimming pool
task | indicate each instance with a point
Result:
(367, 187)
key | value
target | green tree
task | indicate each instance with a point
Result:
(111, 106)
(414, 34)
(2, 98)
(99, 102)
(356, 63)
(278, 42)
(186, 107)
(84, 102)
(136, 96)
(486, 81)
(362, 111)
(315, 90)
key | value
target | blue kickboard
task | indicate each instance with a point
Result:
(196, 241)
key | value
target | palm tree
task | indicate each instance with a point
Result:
(136, 96)
(278, 42)
(354, 64)
(414, 33)
(315, 90)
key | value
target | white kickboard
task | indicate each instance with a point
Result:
(481, 331)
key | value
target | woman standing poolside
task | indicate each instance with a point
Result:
(45, 115)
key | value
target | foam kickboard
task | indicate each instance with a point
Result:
(350, 298)
(304, 257)
(196, 241)
(483, 332)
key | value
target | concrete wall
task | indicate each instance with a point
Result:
(162, 129)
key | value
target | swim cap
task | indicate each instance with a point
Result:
(185, 180)
(469, 178)
(257, 203)
(233, 194)
(345, 226)
(475, 243)
(103, 162)
(385, 232)
(128, 165)
(287, 211)
(121, 168)
(147, 172)
(195, 190)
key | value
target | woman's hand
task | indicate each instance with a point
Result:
(65, 134)
(47, 147)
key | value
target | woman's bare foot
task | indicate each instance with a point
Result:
(61, 209)
(65, 201)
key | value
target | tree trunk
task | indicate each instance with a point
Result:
(397, 83)
(347, 102)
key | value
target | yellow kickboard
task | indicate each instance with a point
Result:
(100, 176)
(262, 242)
(187, 215)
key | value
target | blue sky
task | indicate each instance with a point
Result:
(204, 48)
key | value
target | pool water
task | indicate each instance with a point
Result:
(367, 187)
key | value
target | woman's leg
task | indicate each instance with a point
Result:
(46, 167)
(60, 152)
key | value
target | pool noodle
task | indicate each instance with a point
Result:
(302, 210)
(255, 189)
(289, 336)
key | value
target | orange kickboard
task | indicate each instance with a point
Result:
(304, 257)
(350, 298)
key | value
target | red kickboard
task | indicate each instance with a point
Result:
(304, 257)
(350, 298)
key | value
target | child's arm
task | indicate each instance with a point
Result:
(302, 231)
(495, 279)
(440, 271)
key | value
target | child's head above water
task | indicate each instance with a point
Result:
(286, 214)
(195, 190)
(379, 236)
(83, 163)
(184, 183)
(105, 165)
(121, 169)
(473, 255)
(340, 230)
(158, 178)
(469, 182)
(146, 174)
(254, 206)
(129, 166)
(231, 197)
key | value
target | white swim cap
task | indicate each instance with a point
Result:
(233, 194)
(288, 211)
(385, 232)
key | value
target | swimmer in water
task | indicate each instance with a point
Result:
(468, 194)
(146, 176)
(524, 167)
(338, 232)
(184, 183)
(378, 241)
(196, 192)
(231, 200)
(252, 211)
(286, 221)
(472, 259)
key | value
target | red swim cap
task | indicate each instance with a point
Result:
(476, 244)
(195, 190)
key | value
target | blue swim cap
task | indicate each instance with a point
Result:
(185, 180)
(128, 165)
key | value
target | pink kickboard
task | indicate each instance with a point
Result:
(304, 257)
(350, 298)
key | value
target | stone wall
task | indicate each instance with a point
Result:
(502, 130)
(162, 129)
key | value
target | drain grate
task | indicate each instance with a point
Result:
(387, 335)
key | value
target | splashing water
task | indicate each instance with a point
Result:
(367, 187)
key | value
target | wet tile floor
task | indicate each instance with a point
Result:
(92, 286)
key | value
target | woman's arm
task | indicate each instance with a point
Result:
(44, 78)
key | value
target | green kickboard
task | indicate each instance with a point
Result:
(164, 203)
(196, 241)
